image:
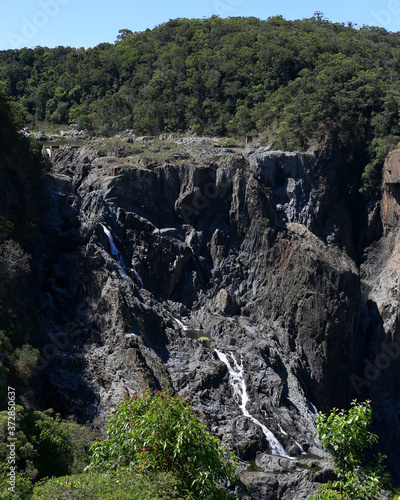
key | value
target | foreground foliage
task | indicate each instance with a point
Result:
(347, 435)
(155, 448)
(46, 446)
(120, 485)
(159, 432)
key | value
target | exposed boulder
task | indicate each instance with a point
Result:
(227, 303)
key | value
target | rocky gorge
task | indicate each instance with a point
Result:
(240, 277)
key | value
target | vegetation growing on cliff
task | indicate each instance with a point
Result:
(346, 434)
(160, 433)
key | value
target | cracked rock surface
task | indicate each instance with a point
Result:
(147, 270)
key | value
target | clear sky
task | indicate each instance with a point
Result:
(86, 23)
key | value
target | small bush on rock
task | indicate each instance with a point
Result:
(346, 435)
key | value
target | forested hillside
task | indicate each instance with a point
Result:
(294, 82)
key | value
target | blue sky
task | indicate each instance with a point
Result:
(86, 23)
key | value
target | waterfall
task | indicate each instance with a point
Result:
(117, 255)
(114, 250)
(285, 433)
(300, 448)
(184, 328)
(236, 378)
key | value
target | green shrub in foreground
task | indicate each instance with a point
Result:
(117, 485)
(347, 435)
(159, 432)
(46, 445)
(22, 489)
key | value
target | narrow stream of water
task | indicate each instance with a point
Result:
(114, 250)
(115, 253)
(236, 378)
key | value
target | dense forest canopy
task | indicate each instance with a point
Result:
(294, 82)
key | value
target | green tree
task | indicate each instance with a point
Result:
(159, 432)
(46, 446)
(75, 93)
(9, 107)
(25, 361)
(122, 34)
(85, 122)
(6, 227)
(346, 435)
(60, 94)
(14, 262)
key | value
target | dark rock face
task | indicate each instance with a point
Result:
(391, 170)
(390, 206)
(239, 253)
(379, 379)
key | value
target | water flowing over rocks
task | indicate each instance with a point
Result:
(156, 275)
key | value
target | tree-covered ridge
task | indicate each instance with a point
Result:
(295, 80)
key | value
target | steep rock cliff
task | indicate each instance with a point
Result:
(149, 272)
(380, 274)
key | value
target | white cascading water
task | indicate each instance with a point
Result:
(184, 328)
(300, 448)
(114, 250)
(238, 384)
